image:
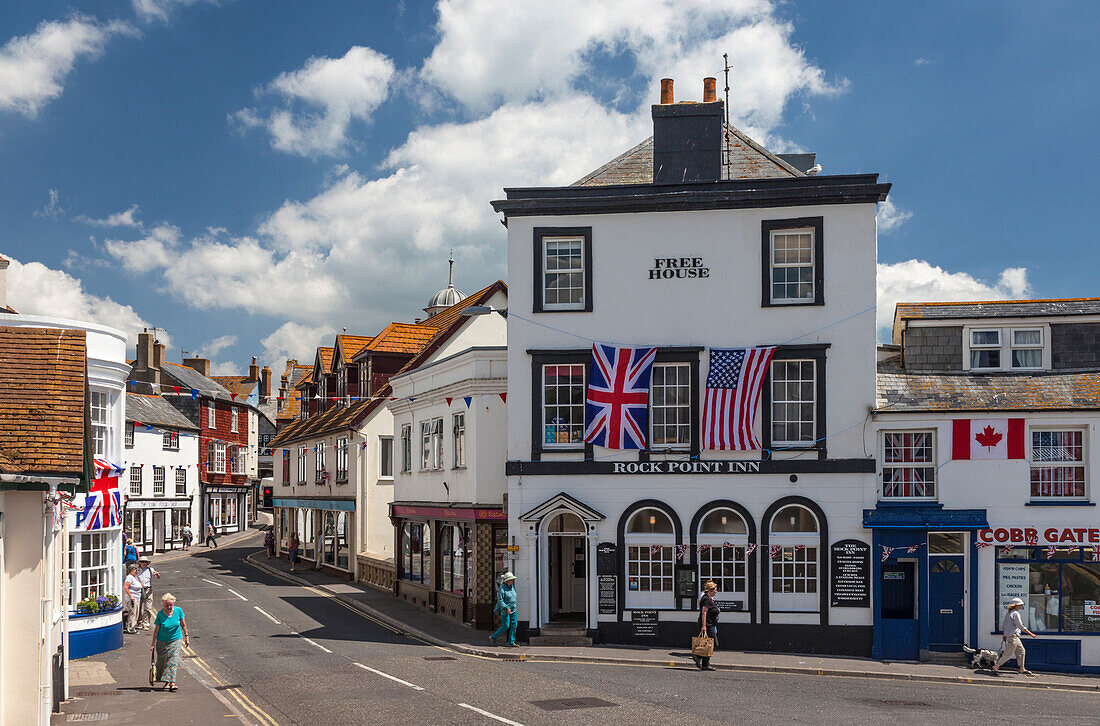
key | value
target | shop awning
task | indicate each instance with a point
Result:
(339, 505)
(923, 516)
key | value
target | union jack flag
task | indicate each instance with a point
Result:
(773, 551)
(886, 552)
(103, 502)
(618, 396)
(733, 392)
(1051, 551)
(749, 549)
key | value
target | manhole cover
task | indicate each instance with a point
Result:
(87, 717)
(85, 694)
(438, 657)
(565, 704)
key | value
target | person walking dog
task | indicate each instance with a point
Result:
(708, 622)
(1010, 634)
(210, 536)
(145, 575)
(506, 606)
(170, 636)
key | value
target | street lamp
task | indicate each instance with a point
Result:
(473, 310)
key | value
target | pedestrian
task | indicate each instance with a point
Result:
(708, 622)
(506, 606)
(129, 553)
(1010, 633)
(168, 642)
(210, 535)
(131, 594)
(269, 543)
(292, 546)
(145, 575)
(188, 537)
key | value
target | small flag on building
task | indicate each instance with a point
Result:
(750, 549)
(886, 552)
(774, 550)
(1050, 552)
(993, 438)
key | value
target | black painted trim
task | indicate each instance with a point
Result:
(750, 523)
(677, 534)
(768, 466)
(768, 226)
(538, 360)
(799, 352)
(822, 557)
(691, 357)
(540, 233)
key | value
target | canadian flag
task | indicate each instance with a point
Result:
(987, 438)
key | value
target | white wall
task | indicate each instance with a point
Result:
(147, 452)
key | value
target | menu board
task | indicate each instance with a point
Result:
(850, 572)
(608, 594)
(1014, 583)
(686, 581)
(607, 558)
(643, 623)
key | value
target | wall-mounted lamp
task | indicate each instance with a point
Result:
(474, 310)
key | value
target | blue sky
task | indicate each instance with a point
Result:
(254, 175)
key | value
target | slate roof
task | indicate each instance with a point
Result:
(998, 309)
(748, 160)
(142, 408)
(42, 403)
(911, 392)
(191, 378)
(349, 345)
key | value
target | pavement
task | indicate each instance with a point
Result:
(421, 623)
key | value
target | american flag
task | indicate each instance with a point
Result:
(733, 391)
(618, 396)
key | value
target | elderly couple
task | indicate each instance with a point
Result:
(137, 595)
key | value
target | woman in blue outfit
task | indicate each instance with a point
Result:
(506, 606)
(169, 639)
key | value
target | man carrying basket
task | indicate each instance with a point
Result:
(701, 649)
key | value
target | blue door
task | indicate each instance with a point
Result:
(946, 601)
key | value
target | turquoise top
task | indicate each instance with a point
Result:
(506, 599)
(171, 626)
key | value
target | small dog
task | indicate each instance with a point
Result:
(981, 658)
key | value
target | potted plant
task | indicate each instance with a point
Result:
(97, 604)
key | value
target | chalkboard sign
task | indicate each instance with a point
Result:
(850, 571)
(607, 558)
(643, 623)
(687, 584)
(608, 594)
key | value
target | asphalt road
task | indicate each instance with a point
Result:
(303, 657)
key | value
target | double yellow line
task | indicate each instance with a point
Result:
(234, 692)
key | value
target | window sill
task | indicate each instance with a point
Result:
(902, 501)
(1052, 503)
(458, 468)
(781, 303)
(385, 478)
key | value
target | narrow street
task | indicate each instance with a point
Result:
(300, 656)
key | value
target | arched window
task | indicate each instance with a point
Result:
(650, 554)
(795, 563)
(722, 540)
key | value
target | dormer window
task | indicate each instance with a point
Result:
(985, 350)
(1027, 348)
(1006, 349)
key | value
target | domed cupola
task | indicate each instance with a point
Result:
(446, 297)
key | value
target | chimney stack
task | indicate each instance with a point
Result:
(253, 370)
(158, 355)
(202, 365)
(710, 93)
(3, 283)
(666, 91)
(145, 373)
(265, 384)
(144, 351)
(687, 138)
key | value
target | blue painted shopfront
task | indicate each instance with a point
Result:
(919, 598)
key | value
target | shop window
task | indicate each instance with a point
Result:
(180, 519)
(1058, 464)
(500, 554)
(451, 559)
(284, 527)
(328, 538)
(794, 560)
(1061, 592)
(650, 554)
(908, 465)
(306, 534)
(133, 524)
(724, 535)
(342, 555)
(416, 552)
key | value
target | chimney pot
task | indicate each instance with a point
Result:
(144, 350)
(158, 356)
(666, 91)
(253, 370)
(265, 384)
(710, 93)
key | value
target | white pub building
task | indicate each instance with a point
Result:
(696, 239)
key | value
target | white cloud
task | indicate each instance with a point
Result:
(150, 10)
(212, 347)
(125, 218)
(33, 67)
(920, 281)
(154, 251)
(890, 217)
(320, 100)
(52, 209)
(921, 61)
(293, 340)
(225, 368)
(34, 289)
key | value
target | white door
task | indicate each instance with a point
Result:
(158, 530)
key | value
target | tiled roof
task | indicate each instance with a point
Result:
(340, 418)
(42, 380)
(748, 160)
(446, 317)
(998, 308)
(155, 410)
(400, 338)
(290, 407)
(349, 345)
(899, 391)
(324, 355)
(191, 378)
(241, 385)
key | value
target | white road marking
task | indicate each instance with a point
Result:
(315, 645)
(489, 715)
(238, 594)
(211, 582)
(266, 615)
(392, 678)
